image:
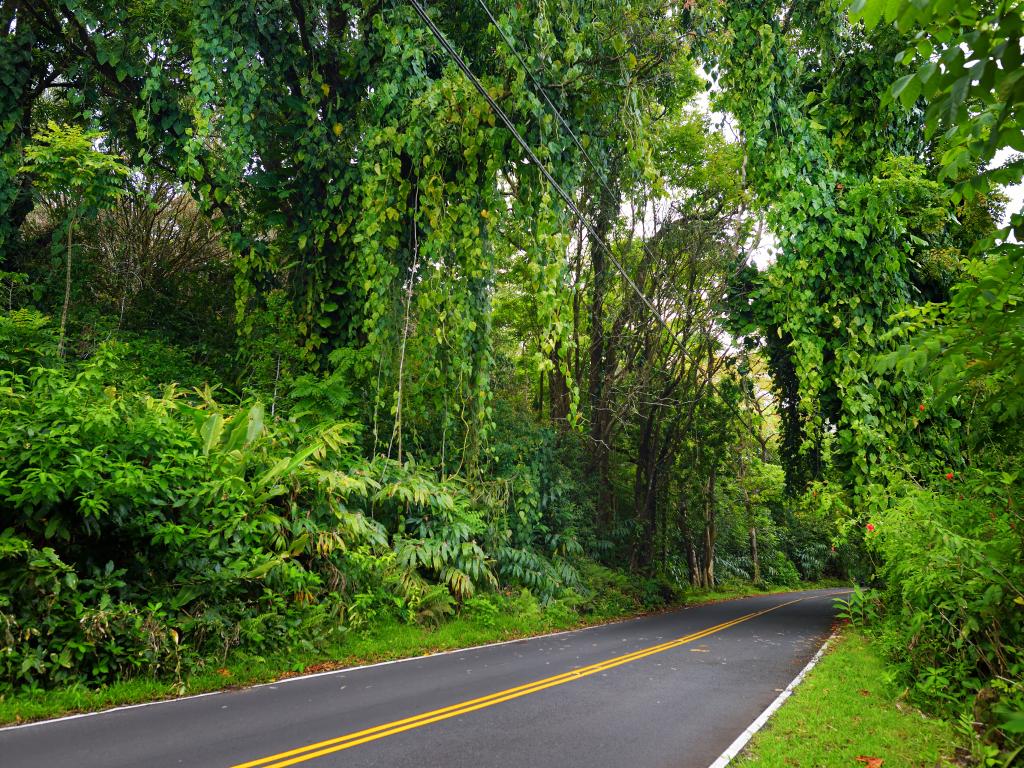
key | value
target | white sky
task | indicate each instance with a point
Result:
(1015, 192)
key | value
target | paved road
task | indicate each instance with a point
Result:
(667, 690)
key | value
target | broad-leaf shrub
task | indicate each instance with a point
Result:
(952, 560)
(131, 520)
(860, 608)
(143, 533)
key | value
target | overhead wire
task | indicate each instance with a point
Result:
(544, 94)
(598, 172)
(532, 156)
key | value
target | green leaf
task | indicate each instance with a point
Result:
(211, 432)
(263, 569)
(1013, 723)
(254, 423)
(872, 13)
(907, 89)
(185, 596)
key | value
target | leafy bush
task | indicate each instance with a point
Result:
(147, 523)
(953, 569)
(778, 570)
(484, 609)
(146, 533)
(658, 592)
(861, 609)
(26, 340)
(609, 592)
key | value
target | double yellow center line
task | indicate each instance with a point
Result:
(349, 740)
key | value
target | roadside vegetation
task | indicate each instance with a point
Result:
(303, 359)
(847, 712)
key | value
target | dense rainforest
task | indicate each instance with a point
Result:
(318, 316)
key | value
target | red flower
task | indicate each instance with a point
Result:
(949, 475)
(920, 407)
(871, 527)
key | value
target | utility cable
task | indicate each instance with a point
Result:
(598, 172)
(544, 94)
(507, 122)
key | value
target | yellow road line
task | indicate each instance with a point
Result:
(349, 740)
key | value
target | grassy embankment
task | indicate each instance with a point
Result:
(846, 712)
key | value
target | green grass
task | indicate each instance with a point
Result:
(384, 642)
(846, 709)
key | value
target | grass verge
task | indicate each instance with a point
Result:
(845, 713)
(521, 617)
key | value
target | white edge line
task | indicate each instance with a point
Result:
(78, 715)
(741, 741)
(283, 680)
(340, 670)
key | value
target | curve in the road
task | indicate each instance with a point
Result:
(670, 690)
(349, 740)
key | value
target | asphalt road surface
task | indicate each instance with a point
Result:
(673, 689)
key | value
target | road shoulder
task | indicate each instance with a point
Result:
(845, 713)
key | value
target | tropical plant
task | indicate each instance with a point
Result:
(76, 180)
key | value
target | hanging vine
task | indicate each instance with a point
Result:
(842, 179)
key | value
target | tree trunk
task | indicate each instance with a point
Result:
(663, 530)
(595, 383)
(540, 393)
(692, 566)
(559, 392)
(645, 489)
(753, 554)
(691, 562)
(67, 294)
(749, 511)
(597, 386)
(710, 534)
(577, 298)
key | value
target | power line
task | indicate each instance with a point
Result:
(533, 157)
(544, 95)
(506, 120)
(598, 172)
